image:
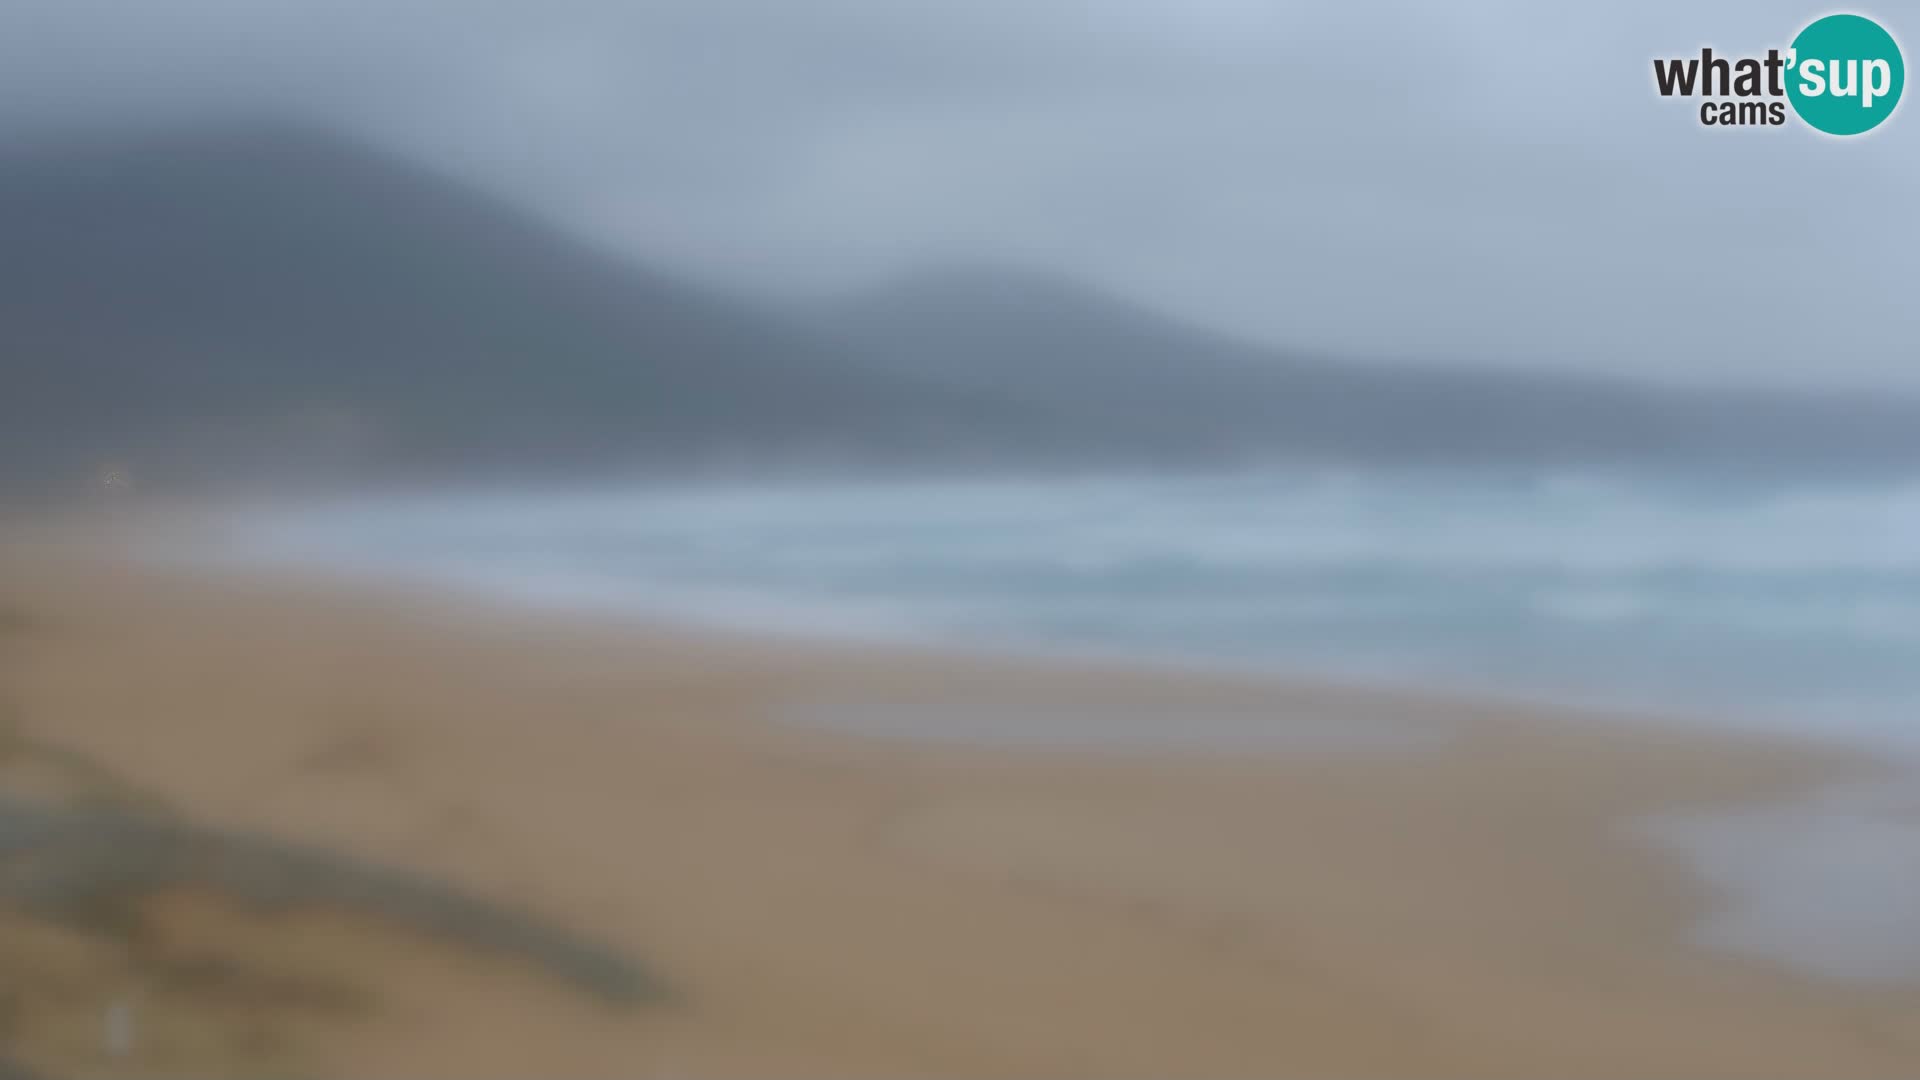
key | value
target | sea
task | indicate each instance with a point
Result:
(1787, 605)
(1784, 604)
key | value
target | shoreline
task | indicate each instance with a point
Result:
(189, 527)
(832, 903)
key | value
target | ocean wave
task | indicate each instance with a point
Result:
(1684, 589)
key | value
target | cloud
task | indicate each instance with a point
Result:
(1490, 182)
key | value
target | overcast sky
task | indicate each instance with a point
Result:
(1486, 181)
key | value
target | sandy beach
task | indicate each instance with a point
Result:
(1469, 902)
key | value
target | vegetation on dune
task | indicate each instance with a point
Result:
(94, 866)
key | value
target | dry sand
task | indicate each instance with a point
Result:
(1472, 904)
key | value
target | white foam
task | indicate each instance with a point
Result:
(1828, 884)
(1135, 727)
(1795, 605)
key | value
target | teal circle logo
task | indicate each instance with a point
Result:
(1845, 74)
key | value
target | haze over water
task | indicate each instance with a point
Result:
(1540, 465)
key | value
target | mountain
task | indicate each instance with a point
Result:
(274, 305)
(250, 300)
(1058, 346)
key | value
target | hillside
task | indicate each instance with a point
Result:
(1060, 346)
(277, 305)
(239, 301)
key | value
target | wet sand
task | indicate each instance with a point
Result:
(1462, 891)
